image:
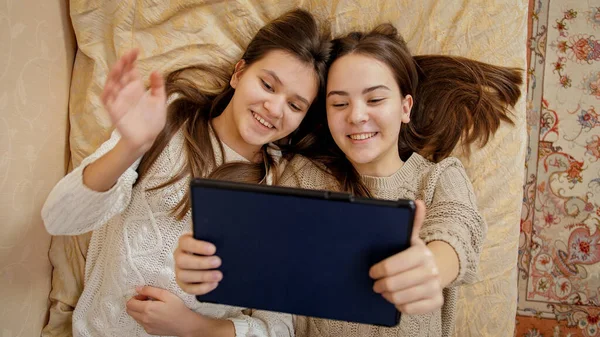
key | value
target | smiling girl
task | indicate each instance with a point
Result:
(133, 191)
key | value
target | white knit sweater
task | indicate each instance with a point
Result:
(132, 244)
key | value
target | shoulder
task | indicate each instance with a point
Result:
(447, 180)
(430, 176)
(449, 169)
(428, 170)
(428, 167)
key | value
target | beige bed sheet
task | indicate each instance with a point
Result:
(175, 33)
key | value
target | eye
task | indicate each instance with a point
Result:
(339, 105)
(295, 107)
(376, 100)
(266, 85)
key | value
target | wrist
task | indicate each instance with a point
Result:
(195, 326)
(130, 149)
(200, 325)
(447, 262)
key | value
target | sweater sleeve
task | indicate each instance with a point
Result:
(452, 217)
(263, 324)
(72, 208)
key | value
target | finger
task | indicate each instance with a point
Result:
(116, 72)
(401, 262)
(130, 71)
(141, 297)
(136, 305)
(194, 276)
(422, 307)
(407, 280)
(114, 87)
(419, 292)
(156, 293)
(187, 261)
(132, 55)
(112, 95)
(135, 315)
(125, 64)
(106, 96)
(130, 76)
(418, 222)
(113, 92)
(111, 82)
(128, 60)
(198, 288)
(114, 79)
(123, 79)
(188, 244)
(105, 91)
(157, 85)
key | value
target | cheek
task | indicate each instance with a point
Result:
(336, 125)
(293, 120)
(248, 93)
(389, 121)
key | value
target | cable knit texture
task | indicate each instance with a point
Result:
(134, 236)
(451, 217)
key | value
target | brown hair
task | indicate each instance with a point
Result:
(454, 98)
(295, 32)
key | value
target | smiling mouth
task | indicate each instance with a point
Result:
(262, 121)
(362, 136)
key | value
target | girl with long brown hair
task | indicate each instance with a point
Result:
(133, 191)
(391, 123)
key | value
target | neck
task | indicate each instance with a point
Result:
(227, 132)
(380, 167)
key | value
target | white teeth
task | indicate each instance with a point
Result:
(262, 121)
(362, 136)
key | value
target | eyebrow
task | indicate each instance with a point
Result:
(304, 100)
(367, 90)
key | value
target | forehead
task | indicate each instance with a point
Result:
(357, 71)
(297, 76)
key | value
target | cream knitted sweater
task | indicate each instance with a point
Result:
(451, 216)
(132, 244)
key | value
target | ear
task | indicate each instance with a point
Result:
(240, 66)
(407, 104)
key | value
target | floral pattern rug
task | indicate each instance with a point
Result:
(559, 250)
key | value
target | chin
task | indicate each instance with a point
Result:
(254, 139)
(361, 158)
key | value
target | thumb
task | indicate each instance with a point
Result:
(157, 85)
(418, 222)
(155, 293)
(141, 297)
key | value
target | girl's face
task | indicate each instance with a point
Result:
(271, 97)
(364, 111)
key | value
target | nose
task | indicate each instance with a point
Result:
(274, 106)
(358, 114)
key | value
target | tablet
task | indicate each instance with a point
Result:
(303, 252)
